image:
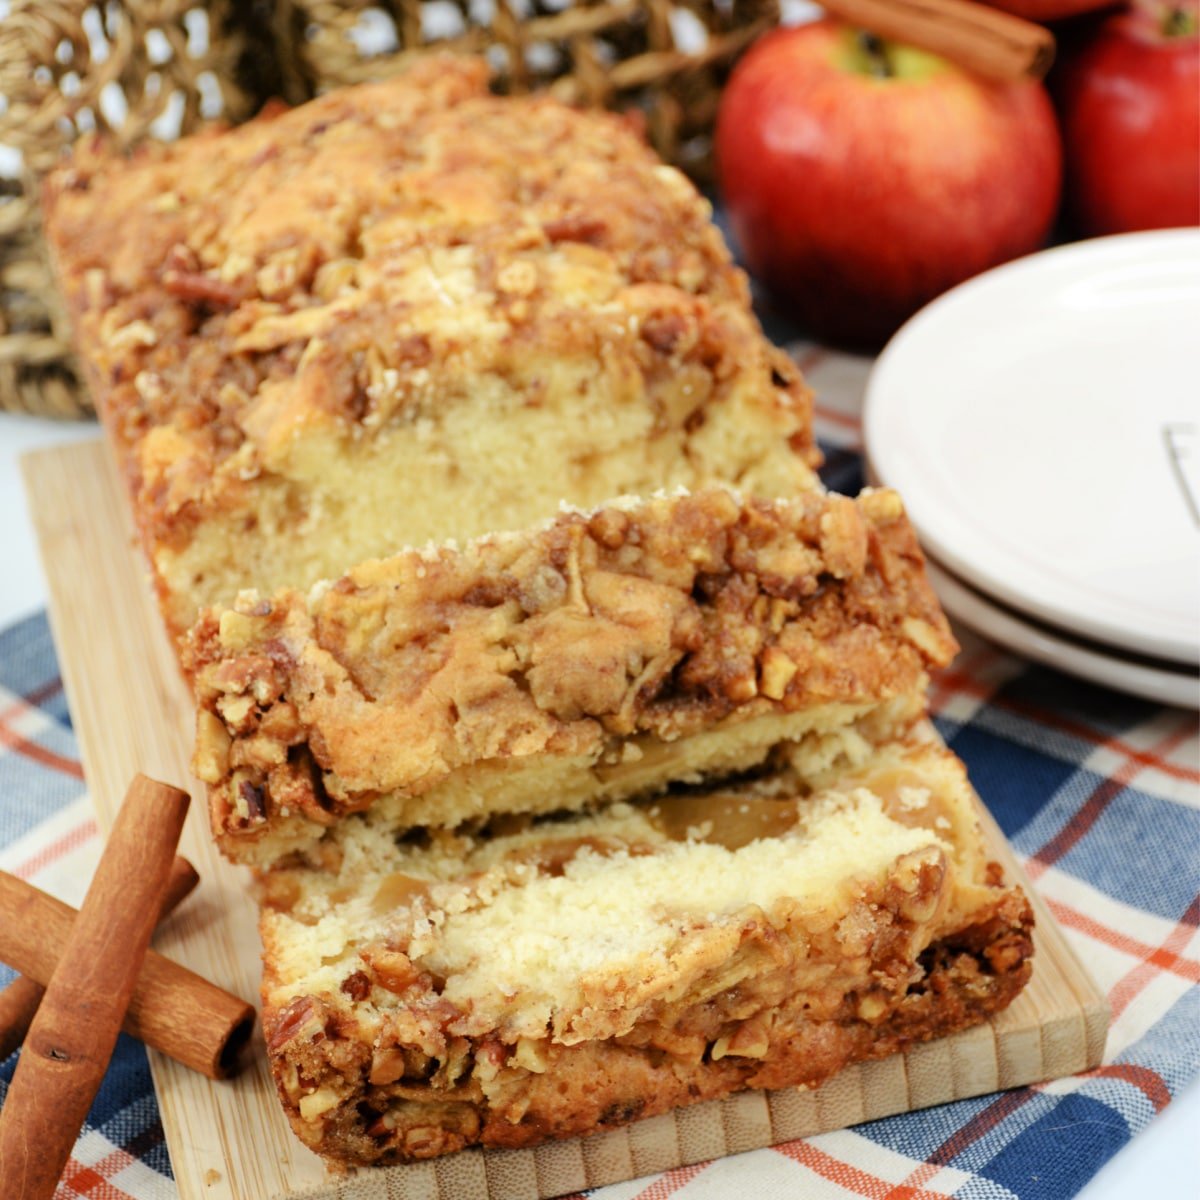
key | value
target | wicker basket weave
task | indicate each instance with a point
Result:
(133, 69)
(69, 69)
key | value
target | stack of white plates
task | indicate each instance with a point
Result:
(1042, 423)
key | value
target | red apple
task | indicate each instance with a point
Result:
(1129, 99)
(864, 178)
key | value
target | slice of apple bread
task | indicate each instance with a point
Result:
(554, 976)
(598, 657)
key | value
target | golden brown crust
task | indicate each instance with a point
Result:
(647, 622)
(234, 300)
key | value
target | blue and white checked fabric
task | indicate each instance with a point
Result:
(1099, 794)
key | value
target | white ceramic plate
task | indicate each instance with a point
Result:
(1145, 679)
(1042, 423)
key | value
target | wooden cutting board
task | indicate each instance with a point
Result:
(132, 712)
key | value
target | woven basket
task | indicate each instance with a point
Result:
(133, 69)
(69, 69)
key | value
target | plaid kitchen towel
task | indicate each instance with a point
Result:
(1099, 794)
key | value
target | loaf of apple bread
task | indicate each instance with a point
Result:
(598, 657)
(547, 977)
(403, 311)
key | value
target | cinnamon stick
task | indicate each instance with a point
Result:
(985, 40)
(173, 1009)
(19, 1001)
(75, 1030)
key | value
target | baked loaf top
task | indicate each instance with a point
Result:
(605, 638)
(565, 974)
(262, 312)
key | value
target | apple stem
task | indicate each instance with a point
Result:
(1178, 21)
(875, 49)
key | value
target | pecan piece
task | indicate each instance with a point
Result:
(302, 1020)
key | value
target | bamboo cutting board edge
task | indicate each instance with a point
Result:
(231, 1140)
